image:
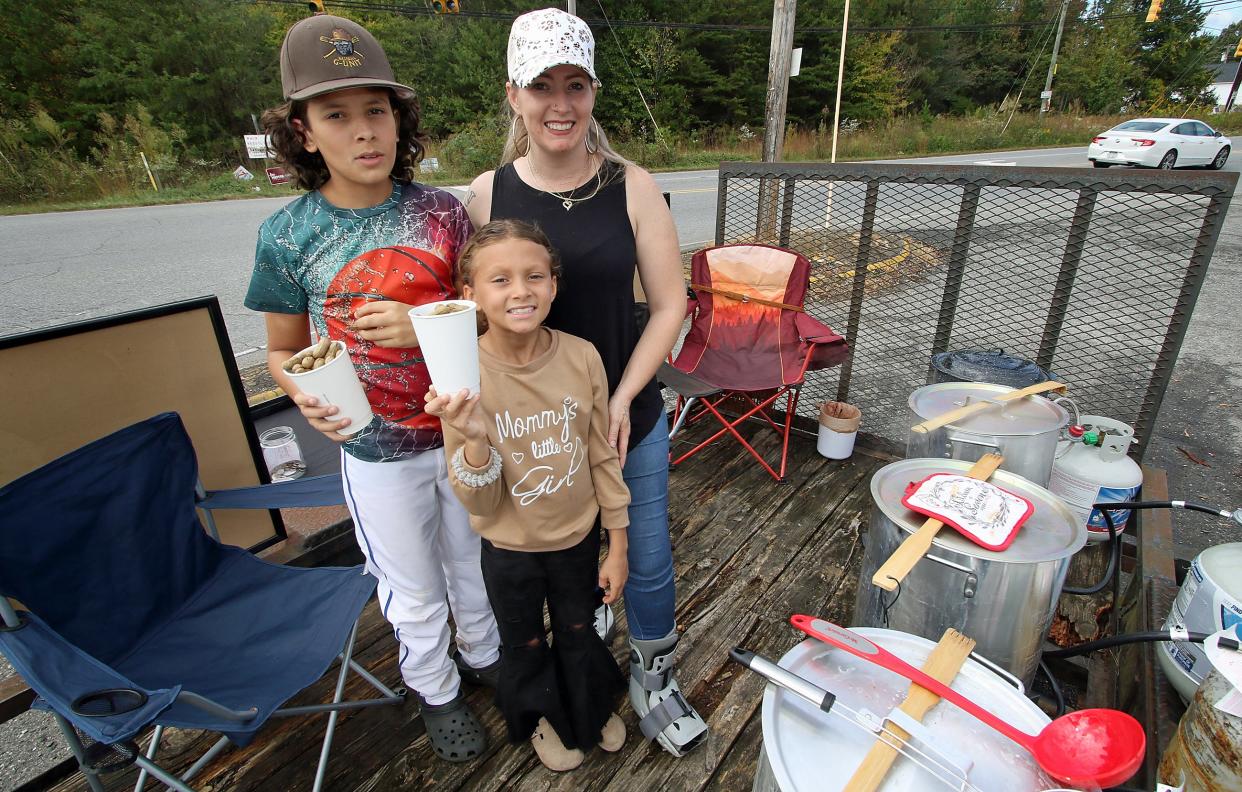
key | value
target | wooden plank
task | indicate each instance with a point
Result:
(1143, 690)
(15, 697)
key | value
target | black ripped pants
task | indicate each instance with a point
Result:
(576, 682)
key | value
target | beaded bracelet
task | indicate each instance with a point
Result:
(471, 478)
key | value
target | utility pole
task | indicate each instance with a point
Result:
(780, 57)
(836, 113)
(1045, 98)
(1237, 77)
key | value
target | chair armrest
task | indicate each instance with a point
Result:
(827, 347)
(811, 329)
(299, 493)
(62, 674)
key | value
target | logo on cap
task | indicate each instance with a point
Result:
(343, 48)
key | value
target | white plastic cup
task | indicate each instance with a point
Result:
(450, 345)
(336, 383)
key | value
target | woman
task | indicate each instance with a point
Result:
(605, 216)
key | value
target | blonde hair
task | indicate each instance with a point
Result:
(517, 144)
(499, 231)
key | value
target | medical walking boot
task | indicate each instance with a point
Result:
(664, 715)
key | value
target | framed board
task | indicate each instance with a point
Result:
(63, 387)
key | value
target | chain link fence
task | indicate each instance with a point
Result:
(1092, 274)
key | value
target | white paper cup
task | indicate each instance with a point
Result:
(336, 383)
(450, 345)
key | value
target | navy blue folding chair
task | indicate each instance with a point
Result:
(133, 615)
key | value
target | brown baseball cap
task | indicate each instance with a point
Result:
(325, 53)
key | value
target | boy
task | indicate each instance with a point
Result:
(350, 257)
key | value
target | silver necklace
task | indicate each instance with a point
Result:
(564, 197)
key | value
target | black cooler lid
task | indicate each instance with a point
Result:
(988, 365)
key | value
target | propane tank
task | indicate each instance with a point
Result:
(1092, 467)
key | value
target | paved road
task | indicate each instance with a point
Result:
(68, 267)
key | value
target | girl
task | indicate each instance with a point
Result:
(606, 218)
(529, 457)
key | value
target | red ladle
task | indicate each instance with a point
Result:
(1090, 746)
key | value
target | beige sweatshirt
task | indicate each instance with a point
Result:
(549, 421)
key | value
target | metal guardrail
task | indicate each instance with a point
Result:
(1091, 273)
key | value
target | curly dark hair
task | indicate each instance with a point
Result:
(310, 172)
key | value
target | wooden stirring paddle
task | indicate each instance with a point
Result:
(953, 416)
(942, 664)
(916, 545)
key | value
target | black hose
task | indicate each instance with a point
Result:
(1199, 507)
(1114, 557)
(1126, 638)
(1113, 573)
(1052, 683)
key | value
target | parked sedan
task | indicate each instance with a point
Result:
(1164, 143)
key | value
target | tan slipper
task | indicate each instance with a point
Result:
(551, 751)
(612, 736)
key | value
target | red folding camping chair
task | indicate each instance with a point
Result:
(749, 339)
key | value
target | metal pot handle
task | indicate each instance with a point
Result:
(972, 580)
(1065, 442)
(1002, 673)
(968, 441)
(1073, 406)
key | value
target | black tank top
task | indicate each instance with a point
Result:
(595, 295)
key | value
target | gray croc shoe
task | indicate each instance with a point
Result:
(454, 732)
(487, 676)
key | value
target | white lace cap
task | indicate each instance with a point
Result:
(540, 40)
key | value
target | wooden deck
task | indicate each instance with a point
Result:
(749, 552)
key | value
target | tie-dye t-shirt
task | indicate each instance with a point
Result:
(317, 259)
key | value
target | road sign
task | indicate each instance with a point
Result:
(277, 176)
(258, 146)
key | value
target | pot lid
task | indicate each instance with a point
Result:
(1051, 533)
(810, 749)
(990, 365)
(1030, 416)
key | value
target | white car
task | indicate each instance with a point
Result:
(1164, 143)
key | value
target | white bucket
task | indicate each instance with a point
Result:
(1209, 601)
(838, 427)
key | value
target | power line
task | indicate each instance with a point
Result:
(418, 10)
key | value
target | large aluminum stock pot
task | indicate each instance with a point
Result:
(1025, 432)
(806, 750)
(1004, 600)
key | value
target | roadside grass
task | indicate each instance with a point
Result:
(215, 188)
(469, 152)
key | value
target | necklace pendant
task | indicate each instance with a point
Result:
(568, 204)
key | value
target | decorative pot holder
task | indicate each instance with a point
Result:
(984, 513)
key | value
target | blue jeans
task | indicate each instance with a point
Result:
(649, 594)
